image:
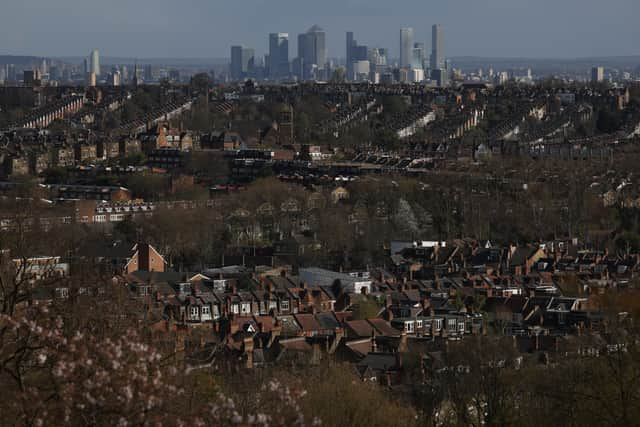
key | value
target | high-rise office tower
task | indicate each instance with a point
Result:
(11, 73)
(278, 55)
(242, 62)
(361, 70)
(95, 62)
(297, 67)
(439, 75)
(377, 57)
(312, 50)
(148, 73)
(437, 48)
(54, 73)
(32, 77)
(116, 78)
(351, 43)
(406, 45)
(417, 55)
(597, 74)
(355, 53)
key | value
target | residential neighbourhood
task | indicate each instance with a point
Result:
(198, 231)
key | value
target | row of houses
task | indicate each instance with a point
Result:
(543, 263)
(42, 117)
(264, 315)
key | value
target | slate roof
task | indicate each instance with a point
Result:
(379, 362)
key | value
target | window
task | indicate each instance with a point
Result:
(206, 311)
(409, 327)
(437, 324)
(246, 308)
(284, 305)
(461, 327)
(194, 312)
(235, 308)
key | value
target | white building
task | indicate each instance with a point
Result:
(417, 75)
(361, 70)
(95, 62)
(406, 47)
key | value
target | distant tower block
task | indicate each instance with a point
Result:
(95, 62)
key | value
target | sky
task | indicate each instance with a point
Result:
(207, 28)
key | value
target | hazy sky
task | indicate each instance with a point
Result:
(206, 28)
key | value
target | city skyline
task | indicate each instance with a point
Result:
(493, 29)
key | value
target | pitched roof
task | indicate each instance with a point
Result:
(327, 320)
(379, 362)
(521, 255)
(308, 322)
(106, 249)
(360, 328)
(360, 347)
(384, 328)
(295, 344)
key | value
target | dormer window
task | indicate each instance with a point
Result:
(409, 327)
(185, 288)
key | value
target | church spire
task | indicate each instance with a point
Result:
(135, 74)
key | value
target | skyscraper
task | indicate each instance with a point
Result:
(148, 73)
(11, 73)
(312, 51)
(278, 55)
(437, 48)
(378, 56)
(597, 74)
(95, 62)
(417, 56)
(355, 53)
(351, 43)
(116, 78)
(406, 44)
(242, 62)
(54, 73)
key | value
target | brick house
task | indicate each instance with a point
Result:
(123, 257)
